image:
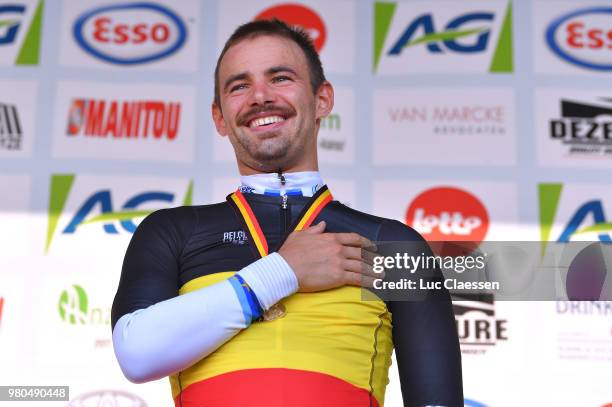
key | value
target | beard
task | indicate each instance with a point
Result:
(266, 154)
(272, 148)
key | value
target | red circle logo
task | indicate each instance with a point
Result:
(301, 16)
(448, 214)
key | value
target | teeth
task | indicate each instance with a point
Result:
(262, 121)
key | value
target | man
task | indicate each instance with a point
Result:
(290, 328)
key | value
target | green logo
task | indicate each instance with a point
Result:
(591, 212)
(331, 122)
(98, 208)
(73, 307)
(28, 53)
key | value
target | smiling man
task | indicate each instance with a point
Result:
(258, 300)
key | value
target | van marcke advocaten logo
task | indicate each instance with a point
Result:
(301, 16)
(130, 33)
(448, 214)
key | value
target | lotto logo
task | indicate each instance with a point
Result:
(447, 213)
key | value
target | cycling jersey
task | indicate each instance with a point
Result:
(330, 348)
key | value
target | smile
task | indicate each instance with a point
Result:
(265, 121)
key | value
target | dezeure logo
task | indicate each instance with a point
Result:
(447, 213)
(129, 34)
(300, 16)
(11, 134)
(124, 119)
(477, 326)
(110, 398)
(585, 128)
(583, 38)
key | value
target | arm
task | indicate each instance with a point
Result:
(156, 332)
(425, 339)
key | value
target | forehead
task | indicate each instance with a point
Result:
(256, 55)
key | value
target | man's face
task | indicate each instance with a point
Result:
(268, 108)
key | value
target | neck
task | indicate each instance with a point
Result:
(304, 183)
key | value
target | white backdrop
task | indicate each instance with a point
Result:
(497, 112)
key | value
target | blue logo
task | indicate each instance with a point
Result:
(109, 35)
(472, 403)
(449, 37)
(577, 38)
(10, 26)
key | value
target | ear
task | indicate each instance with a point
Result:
(217, 116)
(325, 99)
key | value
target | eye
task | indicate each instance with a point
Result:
(239, 86)
(280, 79)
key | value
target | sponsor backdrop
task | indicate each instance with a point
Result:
(467, 120)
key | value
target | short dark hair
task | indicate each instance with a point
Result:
(278, 28)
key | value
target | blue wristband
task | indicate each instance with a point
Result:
(248, 300)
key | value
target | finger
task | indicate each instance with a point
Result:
(358, 280)
(318, 228)
(368, 256)
(359, 267)
(354, 239)
(349, 252)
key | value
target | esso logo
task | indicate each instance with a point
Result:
(128, 34)
(301, 16)
(115, 398)
(448, 214)
(583, 38)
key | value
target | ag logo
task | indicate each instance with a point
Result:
(132, 33)
(100, 206)
(588, 219)
(12, 23)
(583, 38)
(447, 213)
(400, 30)
(301, 16)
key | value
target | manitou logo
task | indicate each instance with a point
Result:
(447, 213)
(124, 119)
(300, 16)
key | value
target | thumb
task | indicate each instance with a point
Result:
(318, 228)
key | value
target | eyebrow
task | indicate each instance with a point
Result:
(270, 71)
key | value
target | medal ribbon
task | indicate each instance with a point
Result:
(254, 232)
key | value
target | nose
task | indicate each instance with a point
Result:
(261, 94)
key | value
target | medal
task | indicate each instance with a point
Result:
(276, 311)
(257, 240)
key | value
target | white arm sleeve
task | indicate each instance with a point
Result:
(172, 335)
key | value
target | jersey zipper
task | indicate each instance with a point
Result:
(284, 214)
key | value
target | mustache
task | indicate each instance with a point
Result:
(247, 116)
